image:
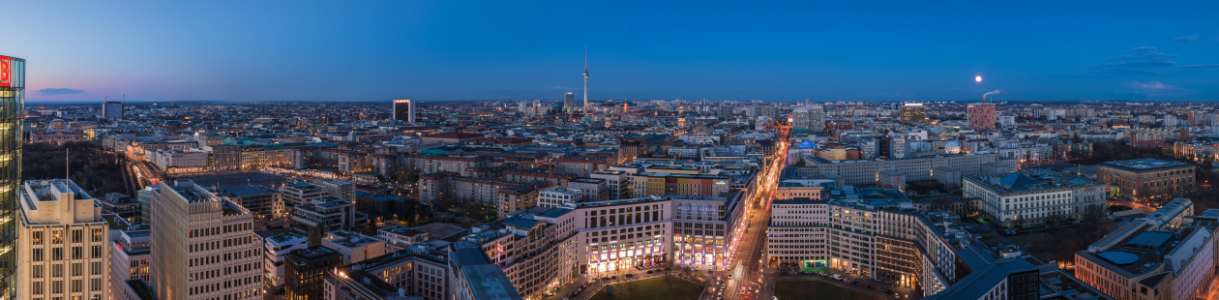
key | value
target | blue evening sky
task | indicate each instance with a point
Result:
(739, 50)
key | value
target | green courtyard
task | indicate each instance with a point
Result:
(660, 288)
(800, 290)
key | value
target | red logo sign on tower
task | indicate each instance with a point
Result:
(6, 71)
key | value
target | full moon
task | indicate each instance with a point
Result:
(978, 78)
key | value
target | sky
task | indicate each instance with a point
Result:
(637, 50)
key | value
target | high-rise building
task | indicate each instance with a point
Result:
(12, 100)
(62, 232)
(205, 246)
(569, 101)
(913, 112)
(800, 120)
(112, 110)
(981, 116)
(306, 270)
(404, 110)
(585, 108)
(816, 119)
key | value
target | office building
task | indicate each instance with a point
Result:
(144, 196)
(179, 160)
(1151, 180)
(557, 196)
(276, 252)
(404, 110)
(265, 203)
(569, 102)
(863, 171)
(618, 182)
(675, 184)
(981, 116)
(205, 246)
(593, 189)
(801, 121)
(401, 237)
(913, 112)
(1151, 258)
(112, 110)
(472, 276)
(301, 193)
(306, 270)
(419, 271)
(875, 234)
(1033, 198)
(338, 188)
(123, 207)
(130, 258)
(512, 199)
(12, 97)
(536, 249)
(353, 246)
(223, 157)
(325, 214)
(65, 249)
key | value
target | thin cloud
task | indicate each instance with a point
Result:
(1157, 89)
(58, 91)
(1147, 60)
(1187, 38)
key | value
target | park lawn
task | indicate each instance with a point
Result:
(800, 290)
(660, 288)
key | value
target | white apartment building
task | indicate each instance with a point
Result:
(1031, 198)
(205, 246)
(64, 251)
(557, 196)
(276, 251)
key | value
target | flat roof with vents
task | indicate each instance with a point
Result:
(1119, 258)
(1150, 239)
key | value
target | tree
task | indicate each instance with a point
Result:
(1093, 212)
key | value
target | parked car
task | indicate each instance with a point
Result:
(822, 273)
(837, 277)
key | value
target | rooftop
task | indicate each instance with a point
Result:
(247, 191)
(1146, 164)
(1016, 182)
(286, 237)
(351, 239)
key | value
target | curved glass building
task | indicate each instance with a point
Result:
(12, 110)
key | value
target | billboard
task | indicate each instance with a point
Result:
(6, 71)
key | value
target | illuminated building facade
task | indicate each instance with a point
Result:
(981, 116)
(914, 112)
(694, 231)
(404, 110)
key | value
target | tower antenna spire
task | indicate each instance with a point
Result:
(585, 108)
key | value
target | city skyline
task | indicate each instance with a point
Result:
(495, 51)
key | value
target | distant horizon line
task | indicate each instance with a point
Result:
(424, 101)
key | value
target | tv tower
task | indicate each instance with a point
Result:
(585, 79)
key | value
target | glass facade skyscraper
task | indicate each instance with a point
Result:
(12, 110)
